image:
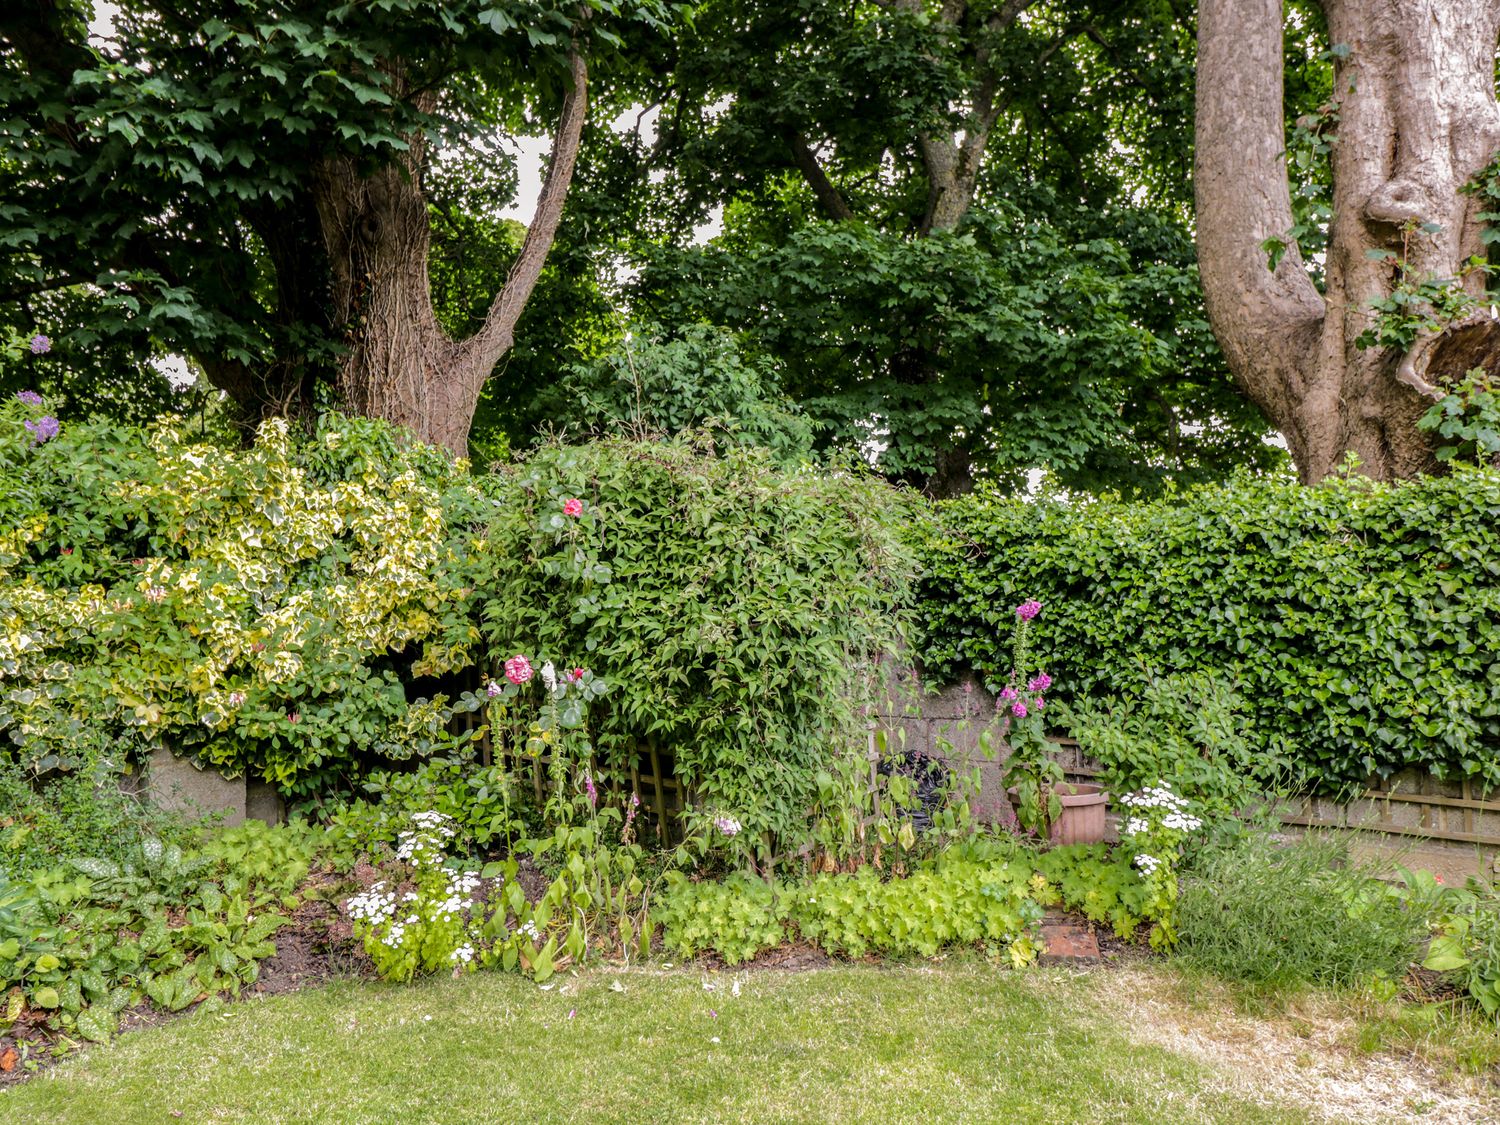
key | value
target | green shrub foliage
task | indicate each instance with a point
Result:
(736, 609)
(258, 609)
(288, 609)
(1360, 621)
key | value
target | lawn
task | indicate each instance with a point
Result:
(957, 1042)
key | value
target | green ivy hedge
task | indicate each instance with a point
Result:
(1362, 620)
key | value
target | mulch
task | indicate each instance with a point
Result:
(1427, 986)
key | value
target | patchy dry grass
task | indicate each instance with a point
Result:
(845, 1044)
(1342, 1056)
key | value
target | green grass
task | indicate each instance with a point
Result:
(960, 1042)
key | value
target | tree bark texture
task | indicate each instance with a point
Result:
(401, 365)
(1418, 118)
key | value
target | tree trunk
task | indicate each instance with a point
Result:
(401, 365)
(1417, 119)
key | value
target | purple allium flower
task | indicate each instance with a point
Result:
(1018, 709)
(1028, 609)
(40, 345)
(1041, 682)
(29, 398)
(43, 429)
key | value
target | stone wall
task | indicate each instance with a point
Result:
(176, 784)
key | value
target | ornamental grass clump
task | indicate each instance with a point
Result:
(1297, 913)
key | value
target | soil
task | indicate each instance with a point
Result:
(1426, 986)
(796, 957)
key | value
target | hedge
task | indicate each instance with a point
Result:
(318, 604)
(256, 609)
(1362, 619)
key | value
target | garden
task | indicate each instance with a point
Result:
(577, 748)
(749, 560)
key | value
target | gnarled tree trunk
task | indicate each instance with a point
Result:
(1415, 95)
(401, 365)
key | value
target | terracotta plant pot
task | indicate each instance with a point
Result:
(1082, 818)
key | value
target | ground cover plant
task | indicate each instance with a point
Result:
(83, 942)
(80, 812)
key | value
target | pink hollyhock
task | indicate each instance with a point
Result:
(1028, 609)
(518, 669)
(1018, 709)
(573, 507)
(1041, 682)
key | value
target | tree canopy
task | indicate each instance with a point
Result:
(957, 237)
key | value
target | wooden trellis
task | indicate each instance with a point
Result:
(652, 776)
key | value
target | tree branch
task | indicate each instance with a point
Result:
(498, 331)
(807, 163)
(1267, 323)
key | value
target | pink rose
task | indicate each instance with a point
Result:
(573, 507)
(518, 669)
